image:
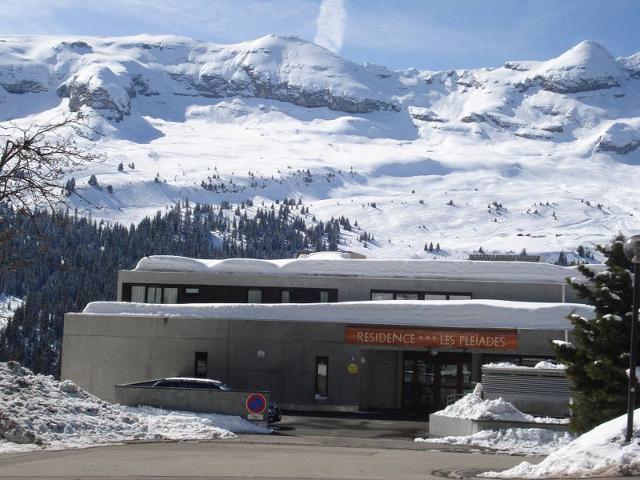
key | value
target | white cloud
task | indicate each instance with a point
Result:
(330, 22)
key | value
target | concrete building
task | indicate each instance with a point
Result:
(326, 332)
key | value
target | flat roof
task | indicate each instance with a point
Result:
(422, 313)
(334, 264)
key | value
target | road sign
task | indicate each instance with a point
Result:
(256, 403)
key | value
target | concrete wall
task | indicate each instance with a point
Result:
(101, 351)
(192, 400)
(359, 288)
(441, 426)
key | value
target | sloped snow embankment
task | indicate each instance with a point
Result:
(39, 412)
(527, 441)
(516, 441)
(601, 452)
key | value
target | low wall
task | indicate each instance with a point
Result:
(441, 426)
(232, 402)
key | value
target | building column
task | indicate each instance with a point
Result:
(476, 367)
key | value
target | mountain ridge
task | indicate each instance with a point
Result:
(225, 122)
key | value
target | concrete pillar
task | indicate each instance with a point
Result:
(476, 367)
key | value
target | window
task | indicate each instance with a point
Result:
(322, 377)
(381, 295)
(192, 291)
(154, 294)
(254, 296)
(324, 296)
(170, 295)
(406, 296)
(138, 293)
(435, 296)
(200, 365)
(460, 297)
(285, 296)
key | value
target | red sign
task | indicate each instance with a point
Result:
(256, 403)
(427, 337)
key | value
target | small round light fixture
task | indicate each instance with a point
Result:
(632, 249)
(261, 354)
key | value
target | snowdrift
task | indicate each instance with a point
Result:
(472, 406)
(39, 411)
(601, 452)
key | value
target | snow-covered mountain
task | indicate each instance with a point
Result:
(540, 155)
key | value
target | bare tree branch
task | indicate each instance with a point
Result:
(35, 159)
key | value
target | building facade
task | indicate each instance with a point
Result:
(323, 332)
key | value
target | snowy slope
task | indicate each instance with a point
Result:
(541, 155)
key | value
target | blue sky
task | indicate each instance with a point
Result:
(427, 34)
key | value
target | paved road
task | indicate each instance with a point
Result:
(352, 426)
(262, 457)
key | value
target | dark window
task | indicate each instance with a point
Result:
(381, 295)
(138, 294)
(170, 295)
(254, 295)
(460, 296)
(200, 366)
(322, 377)
(406, 295)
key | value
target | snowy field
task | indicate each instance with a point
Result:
(39, 412)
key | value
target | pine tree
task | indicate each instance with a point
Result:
(598, 357)
(93, 181)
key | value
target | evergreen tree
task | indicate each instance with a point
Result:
(93, 181)
(598, 357)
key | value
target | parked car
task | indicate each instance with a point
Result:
(187, 382)
(273, 410)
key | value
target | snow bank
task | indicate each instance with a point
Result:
(515, 441)
(600, 452)
(40, 412)
(336, 266)
(450, 313)
(472, 406)
(543, 365)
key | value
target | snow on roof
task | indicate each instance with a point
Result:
(336, 265)
(436, 313)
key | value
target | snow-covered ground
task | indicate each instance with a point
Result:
(536, 155)
(519, 441)
(8, 305)
(601, 452)
(515, 441)
(39, 412)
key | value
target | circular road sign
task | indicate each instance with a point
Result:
(256, 403)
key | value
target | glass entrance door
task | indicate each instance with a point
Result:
(429, 382)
